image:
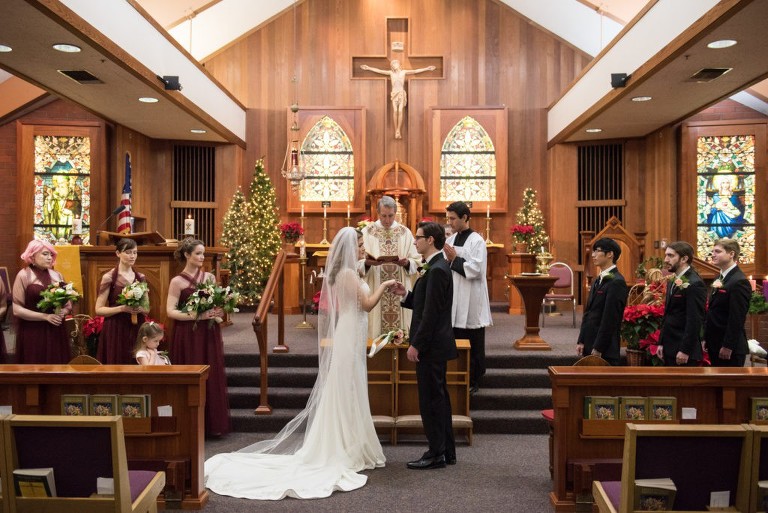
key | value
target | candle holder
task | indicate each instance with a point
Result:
(488, 240)
(349, 221)
(325, 231)
(304, 325)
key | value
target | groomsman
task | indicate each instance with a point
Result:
(467, 256)
(599, 334)
(726, 340)
(432, 344)
(679, 341)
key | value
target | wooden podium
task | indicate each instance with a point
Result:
(518, 263)
(141, 238)
(532, 289)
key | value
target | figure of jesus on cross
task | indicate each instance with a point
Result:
(398, 95)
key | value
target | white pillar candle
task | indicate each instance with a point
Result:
(77, 226)
(488, 210)
(189, 225)
(347, 210)
(324, 211)
(302, 210)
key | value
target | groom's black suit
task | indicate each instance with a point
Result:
(602, 317)
(431, 333)
(726, 315)
(683, 319)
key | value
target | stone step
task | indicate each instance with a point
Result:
(277, 377)
(511, 399)
(516, 378)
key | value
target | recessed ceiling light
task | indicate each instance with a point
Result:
(148, 99)
(642, 98)
(594, 130)
(722, 43)
(66, 48)
(197, 131)
(5, 49)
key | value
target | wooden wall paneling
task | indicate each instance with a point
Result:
(25, 134)
(658, 178)
(229, 176)
(635, 183)
(562, 214)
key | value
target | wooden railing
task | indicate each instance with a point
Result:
(260, 318)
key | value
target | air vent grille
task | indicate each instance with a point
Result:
(80, 76)
(708, 74)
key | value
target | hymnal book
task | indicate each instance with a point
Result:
(133, 406)
(632, 408)
(587, 405)
(74, 404)
(148, 405)
(662, 408)
(604, 408)
(34, 482)
(383, 258)
(759, 408)
(654, 494)
(104, 405)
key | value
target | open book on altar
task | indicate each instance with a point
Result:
(141, 238)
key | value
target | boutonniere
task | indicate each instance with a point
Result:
(608, 276)
(423, 268)
(717, 284)
(680, 282)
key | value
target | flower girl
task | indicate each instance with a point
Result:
(150, 335)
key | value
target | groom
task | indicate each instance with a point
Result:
(432, 344)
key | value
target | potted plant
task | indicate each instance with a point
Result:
(640, 329)
(757, 307)
(521, 235)
(291, 232)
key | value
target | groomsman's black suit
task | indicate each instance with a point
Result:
(683, 319)
(431, 333)
(602, 316)
(726, 315)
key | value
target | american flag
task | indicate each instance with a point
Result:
(124, 219)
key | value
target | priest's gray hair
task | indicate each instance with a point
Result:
(386, 202)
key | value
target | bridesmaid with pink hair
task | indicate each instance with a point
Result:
(40, 337)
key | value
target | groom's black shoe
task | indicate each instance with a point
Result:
(450, 460)
(427, 462)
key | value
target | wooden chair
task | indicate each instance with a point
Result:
(84, 359)
(562, 290)
(79, 449)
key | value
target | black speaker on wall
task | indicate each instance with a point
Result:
(619, 79)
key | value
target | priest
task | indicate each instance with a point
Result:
(389, 255)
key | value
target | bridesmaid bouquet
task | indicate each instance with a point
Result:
(209, 295)
(56, 295)
(135, 295)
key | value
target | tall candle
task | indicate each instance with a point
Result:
(347, 210)
(302, 210)
(753, 283)
(765, 288)
(324, 211)
(488, 210)
(189, 225)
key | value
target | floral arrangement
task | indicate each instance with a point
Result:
(757, 303)
(362, 223)
(397, 337)
(209, 295)
(135, 295)
(56, 295)
(291, 231)
(522, 233)
(640, 325)
(646, 265)
(91, 331)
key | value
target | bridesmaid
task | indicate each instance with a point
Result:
(40, 337)
(200, 344)
(118, 336)
(3, 311)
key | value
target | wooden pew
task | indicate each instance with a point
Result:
(80, 450)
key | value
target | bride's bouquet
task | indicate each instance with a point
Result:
(397, 337)
(56, 295)
(135, 295)
(208, 295)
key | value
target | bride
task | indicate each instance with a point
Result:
(325, 446)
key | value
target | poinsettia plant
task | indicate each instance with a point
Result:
(291, 231)
(640, 325)
(522, 233)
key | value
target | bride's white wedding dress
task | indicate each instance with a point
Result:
(324, 448)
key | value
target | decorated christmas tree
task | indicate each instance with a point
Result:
(238, 235)
(530, 215)
(264, 220)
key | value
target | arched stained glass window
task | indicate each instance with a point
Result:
(468, 163)
(329, 163)
(725, 173)
(62, 186)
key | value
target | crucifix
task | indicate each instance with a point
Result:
(399, 66)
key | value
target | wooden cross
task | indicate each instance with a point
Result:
(396, 36)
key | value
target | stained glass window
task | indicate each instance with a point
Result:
(725, 167)
(468, 164)
(62, 186)
(327, 158)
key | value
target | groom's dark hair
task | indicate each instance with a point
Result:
(434, 230)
